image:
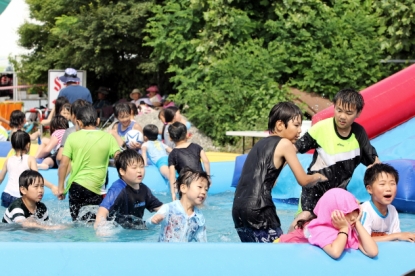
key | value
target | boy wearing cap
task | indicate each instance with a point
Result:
(73, 91)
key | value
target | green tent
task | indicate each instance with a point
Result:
(3, 5)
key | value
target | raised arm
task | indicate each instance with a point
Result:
(205, 161)
(3, 171)
(286, 150)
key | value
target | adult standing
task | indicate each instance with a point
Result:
(73, 91)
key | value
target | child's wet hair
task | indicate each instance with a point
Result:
(87, 115)
(133, 108)
(187, 176)
(151, 132)
(19, 141)
(169, 113)
(17, 118)
(29, 177)
(127, 158)
(283, 111)
(349, 98)
(177, 132)
(76, 105)
(58, 122)
(372, 173)
(122, 108)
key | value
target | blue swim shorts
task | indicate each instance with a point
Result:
(247, 234)
(163, 161)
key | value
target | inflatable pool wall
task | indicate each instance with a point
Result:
(388, 103)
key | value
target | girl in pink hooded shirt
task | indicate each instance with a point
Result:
(336, 226)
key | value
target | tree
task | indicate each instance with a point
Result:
(102, 37)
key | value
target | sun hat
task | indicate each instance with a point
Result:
(135, 91)
(103, 90)
(152, 88)
(70, 76)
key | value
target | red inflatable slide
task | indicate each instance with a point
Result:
(388, 103)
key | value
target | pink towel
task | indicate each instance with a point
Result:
(321, 229)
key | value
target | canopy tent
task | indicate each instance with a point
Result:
(3, 5)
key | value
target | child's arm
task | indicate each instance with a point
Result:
(62, 170)
(205, 161)
(286, 150)
(402, 236)
(33, 167)
(336, 248)
(117, 137)
(366, 244)
(46, 149)
(30, 223)
(3, 171)
(3, 120)
(101, 216)
(168, 149)
(144, 154)
(172, 180)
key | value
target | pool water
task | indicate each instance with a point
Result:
(217, 211)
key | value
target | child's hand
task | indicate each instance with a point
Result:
(322, 178)
(54, 190)
(157, 218)
(407, 236)
(339, 221)
(134, 145)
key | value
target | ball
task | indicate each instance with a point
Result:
(134, 136)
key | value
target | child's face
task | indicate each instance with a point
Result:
(34, 192)
(344, 116)
(352, 217)
(65, 113)
(135, 96)
(293, 130)
(196, 193)
(134, 174)
(177, 117)
(383, 190)
(124, 119)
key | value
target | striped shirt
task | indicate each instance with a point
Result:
(18, 212)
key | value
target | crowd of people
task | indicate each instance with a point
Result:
(330, 216)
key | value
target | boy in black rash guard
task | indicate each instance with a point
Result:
(128, 196)
(184, 154)
(253, 210)
(340, 146)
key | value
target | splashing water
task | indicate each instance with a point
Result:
(217, 211)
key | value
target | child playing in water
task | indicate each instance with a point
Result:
(122, 113)
(156, 151)
(253, 210)
(89, 151)
(336, 226)
(181, 220)
(15, 165)
(184, 155)
(341, 145)
(380, 218)
(128, 196)
(47, 151)
(28, 210)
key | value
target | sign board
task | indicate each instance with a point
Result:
(55, 85)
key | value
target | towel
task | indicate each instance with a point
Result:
(321, 230)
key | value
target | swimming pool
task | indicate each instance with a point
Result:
(217, 211)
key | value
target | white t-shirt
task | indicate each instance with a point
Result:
(374, 222)
(15, 166)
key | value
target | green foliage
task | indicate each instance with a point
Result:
(102, 37)
(397, 27)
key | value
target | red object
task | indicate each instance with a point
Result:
(388, 103)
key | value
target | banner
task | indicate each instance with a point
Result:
(55, 85)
